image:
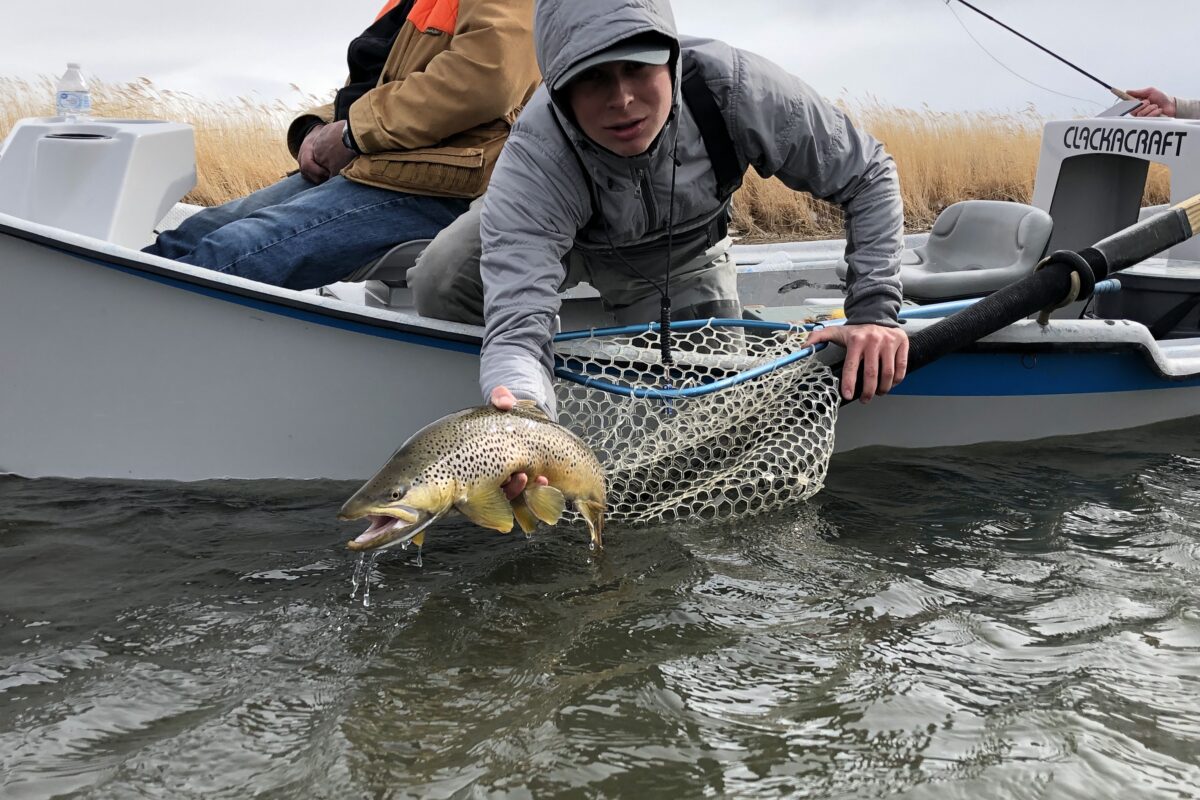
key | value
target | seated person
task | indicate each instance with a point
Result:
(1156, 103)
(433, 90)
(607, 172)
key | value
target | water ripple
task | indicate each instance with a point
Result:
(990, 622)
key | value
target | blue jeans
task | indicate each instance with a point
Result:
(301, 235)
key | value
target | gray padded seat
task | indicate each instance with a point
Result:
(392, 267)
(975, 248)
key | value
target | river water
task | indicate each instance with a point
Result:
(990, 622)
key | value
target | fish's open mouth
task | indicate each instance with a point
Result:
(388, 530)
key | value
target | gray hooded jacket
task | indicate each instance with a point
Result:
(539, 205)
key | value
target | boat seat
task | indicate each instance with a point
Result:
(392, 267)
(975, 248)
(385, 280)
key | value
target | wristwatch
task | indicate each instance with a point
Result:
(347, 139)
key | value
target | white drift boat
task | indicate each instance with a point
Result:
(118, 364)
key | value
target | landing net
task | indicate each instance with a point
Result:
(748, 427)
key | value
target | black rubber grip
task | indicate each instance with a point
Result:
(1046, 287)
(1141, 240)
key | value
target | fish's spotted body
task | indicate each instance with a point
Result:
(460, 462)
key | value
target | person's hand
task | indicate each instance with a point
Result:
(327, 154)
(504, 400)
(1154, 103)
(882, 351)
(310, 168)
(328, 150)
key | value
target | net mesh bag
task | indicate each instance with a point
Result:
(753, 447)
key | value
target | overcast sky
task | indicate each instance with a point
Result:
(908, 53)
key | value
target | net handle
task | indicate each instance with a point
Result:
(677, 394)
(686, 325)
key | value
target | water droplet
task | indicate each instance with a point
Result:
(356, 579)
(419, 562)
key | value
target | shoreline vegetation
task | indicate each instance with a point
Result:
(942, 157)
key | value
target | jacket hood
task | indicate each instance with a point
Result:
(568, 31)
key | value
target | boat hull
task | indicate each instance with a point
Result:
(119, 365)
(1027, 396)
(114, 373)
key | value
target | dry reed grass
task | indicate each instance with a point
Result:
(941, 157)
(239, 143)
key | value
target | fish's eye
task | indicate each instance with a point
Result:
(396, 494)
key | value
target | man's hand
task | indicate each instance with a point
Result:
(1154, 103)
(322, 154)
(882, 351)
(504, 400)
(309, 167)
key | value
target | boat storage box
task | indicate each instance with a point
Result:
(112, 179)
(1159, 294)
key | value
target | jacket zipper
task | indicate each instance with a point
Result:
(647, 192)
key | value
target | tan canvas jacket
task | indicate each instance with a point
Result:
(457, 75)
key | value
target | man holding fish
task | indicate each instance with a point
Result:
(611, 175)
(608, 169)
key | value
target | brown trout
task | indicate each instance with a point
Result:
(459, 463)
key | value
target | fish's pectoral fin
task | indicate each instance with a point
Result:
(593, 514)
(525, 517)
(488, 508)
(418, 540)
(546, 502)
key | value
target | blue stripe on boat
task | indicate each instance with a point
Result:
(1015, 374)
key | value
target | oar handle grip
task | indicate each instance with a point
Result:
(1016, 301)
(1143, 239)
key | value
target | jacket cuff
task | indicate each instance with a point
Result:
(876, 309)
(299, 130)
(1187, 109)
(524, 376)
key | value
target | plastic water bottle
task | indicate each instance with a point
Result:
(71, 97)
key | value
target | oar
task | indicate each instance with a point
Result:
(1051, 284)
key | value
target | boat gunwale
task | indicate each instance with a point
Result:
(232, 288)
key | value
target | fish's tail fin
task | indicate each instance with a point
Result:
(593, 514)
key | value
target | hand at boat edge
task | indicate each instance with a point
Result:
(882, 351)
